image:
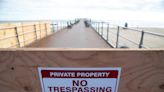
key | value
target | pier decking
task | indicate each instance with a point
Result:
(76, 37)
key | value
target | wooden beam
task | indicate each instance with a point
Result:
(142, 70)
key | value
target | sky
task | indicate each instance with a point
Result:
(109, 10)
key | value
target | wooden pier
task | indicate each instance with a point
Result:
(76, 37)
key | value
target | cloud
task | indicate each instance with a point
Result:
(130, 5)
(14, 9)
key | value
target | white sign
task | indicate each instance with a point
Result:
(79, 79)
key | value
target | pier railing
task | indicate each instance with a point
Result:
(21, 34)
(62, 24)
(26, 33)
(123, 37)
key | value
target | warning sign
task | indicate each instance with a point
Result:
(79, 79)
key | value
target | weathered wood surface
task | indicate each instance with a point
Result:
(142, 70)
(77, 37)
(28, 32)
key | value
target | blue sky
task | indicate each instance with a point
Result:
(141, 10)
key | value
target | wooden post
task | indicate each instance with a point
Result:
(35, 29)
(23, 35)
(40, 30)
(17, 35)
(46, 29)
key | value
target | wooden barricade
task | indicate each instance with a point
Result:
(142, 70)
(22, 34)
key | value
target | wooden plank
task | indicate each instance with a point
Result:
(10, 36)
(27, 33)
(142, 70)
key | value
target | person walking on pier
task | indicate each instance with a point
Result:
(126, 25)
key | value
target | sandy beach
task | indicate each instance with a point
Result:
(131, 39)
